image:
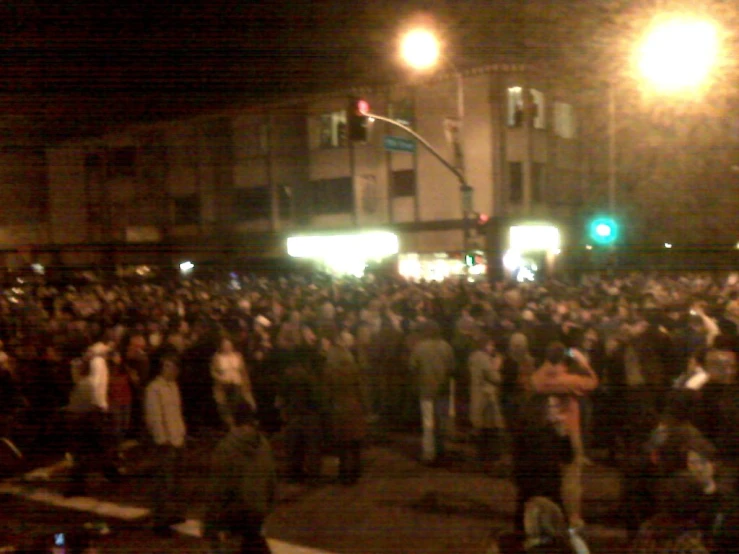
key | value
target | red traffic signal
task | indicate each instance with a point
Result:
(363, 107)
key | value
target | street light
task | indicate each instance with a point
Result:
(677, 54)
(421, 50)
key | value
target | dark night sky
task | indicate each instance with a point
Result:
(82, 65)
(77, 65)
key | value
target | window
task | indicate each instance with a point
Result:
(564, 120)
(515, 188)
(187, 210)
(122, 162)
(251, 203)
(538, 109)
(538, 181)
(404, 183)
(333, 130)
(515, 106)
(332, 196)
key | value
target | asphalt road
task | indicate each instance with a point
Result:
(399, 506)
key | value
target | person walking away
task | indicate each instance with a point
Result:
(485, 413)
(569, 375)
(432, 362)
(243, 482)
(163, 413)
(299, 401)
(346, 415)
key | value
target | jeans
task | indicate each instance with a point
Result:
(434, 420)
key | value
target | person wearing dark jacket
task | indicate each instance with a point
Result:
(243, 483)
(541, 448)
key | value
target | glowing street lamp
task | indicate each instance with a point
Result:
(420, 49)
(678, 54)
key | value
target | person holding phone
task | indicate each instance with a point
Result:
(570, 377)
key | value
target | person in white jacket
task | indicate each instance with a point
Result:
(163, 411)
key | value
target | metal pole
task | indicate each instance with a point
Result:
(612, 169)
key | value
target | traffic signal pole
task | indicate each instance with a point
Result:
(466, 192)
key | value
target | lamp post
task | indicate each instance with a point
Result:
(421, 50)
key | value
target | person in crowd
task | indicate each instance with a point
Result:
(675, 527)
(541, 448)
(120, 397)
(485, 413)
(243, 485)
(164, 419)
(300, 402)
(432, 362)
(88, 437)
(97, 357)
(343, 402)
(567, 372)
(231, 380)
(517, 368)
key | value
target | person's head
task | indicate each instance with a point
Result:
(680, 442)
(169, 368)
(681, 497)
(226, 346)
(545, 524)
(555, 352)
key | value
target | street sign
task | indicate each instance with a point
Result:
(399, 144)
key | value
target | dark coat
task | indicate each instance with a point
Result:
(343, 396)
(243, 478)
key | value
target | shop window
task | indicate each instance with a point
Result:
(332, 196)
(122, 162)
(404, 183)
(333, 130)
(515, 106)
(515, 187)
(538, 109)
(187, 210)
(564, 120)
(251, 203)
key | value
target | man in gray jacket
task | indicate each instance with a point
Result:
(243, 483)
(432, 363)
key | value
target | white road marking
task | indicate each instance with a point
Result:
(194, 528)
(191, 527)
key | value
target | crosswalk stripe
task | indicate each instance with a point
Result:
(102, 508)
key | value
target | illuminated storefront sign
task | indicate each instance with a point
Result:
(345, 254)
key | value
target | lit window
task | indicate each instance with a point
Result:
(538, 109)
(333, 130)
(515, 106)
(564, 120)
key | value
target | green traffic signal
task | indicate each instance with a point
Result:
(603, 230)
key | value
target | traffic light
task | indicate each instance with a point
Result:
(603, 230)
(357, 119)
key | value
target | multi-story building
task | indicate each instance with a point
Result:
(238, 183)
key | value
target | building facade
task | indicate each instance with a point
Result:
(238, 183)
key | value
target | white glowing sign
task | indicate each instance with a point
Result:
(529, 238)
(345, 253)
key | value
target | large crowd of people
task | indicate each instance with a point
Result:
(641, 367)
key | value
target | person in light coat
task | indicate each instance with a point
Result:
(164, 419)
(231, 381)
(432, 363)
(485, 414)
